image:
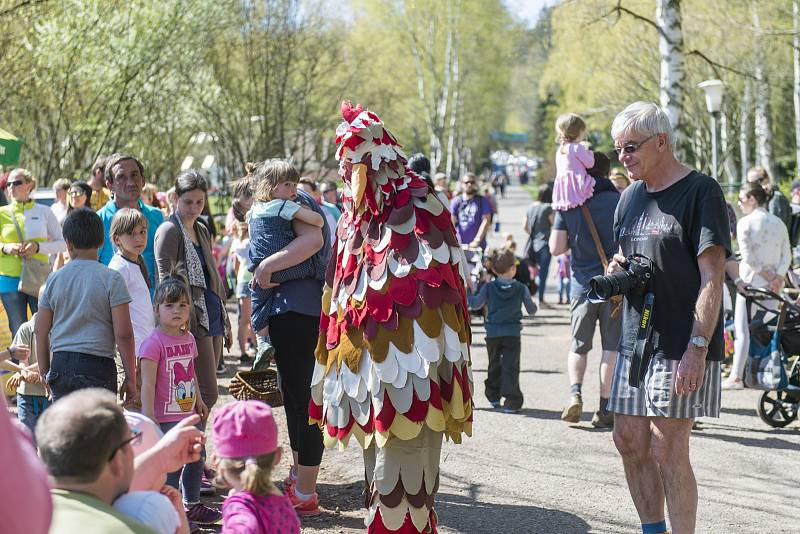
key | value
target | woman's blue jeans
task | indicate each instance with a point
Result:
(16, 305)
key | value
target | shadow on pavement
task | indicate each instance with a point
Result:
(465, 514)
(767, 443)
(536, 371)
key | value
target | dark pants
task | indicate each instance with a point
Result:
(71, 371)
(188, 478)
(294, 337)
(29, 408)
(543, 258)
(503, 372)
(16, 304)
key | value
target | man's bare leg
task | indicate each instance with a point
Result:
(632, 436)
(607, 363)
(670, 445)
(576, 367)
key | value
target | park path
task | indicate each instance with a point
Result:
(533, 473)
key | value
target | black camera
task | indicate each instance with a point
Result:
(634, 279)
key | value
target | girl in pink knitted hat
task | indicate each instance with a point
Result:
(246, 446)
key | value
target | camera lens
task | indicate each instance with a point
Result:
(614, 284)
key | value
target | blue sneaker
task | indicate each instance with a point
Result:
(495, 404)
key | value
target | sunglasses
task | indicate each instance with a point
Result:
(76, 193)
(15, 183)
(630, 148)
(135, 439)
(469, 183)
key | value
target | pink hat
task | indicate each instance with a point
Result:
(245, 429)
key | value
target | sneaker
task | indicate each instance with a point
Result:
(202, 514)
(194, 528)
(509, 409)
(289, 482)
(206, 488)
(221, 369)
(495, 404)
(572, 413)
(306, 508)
(603, 421)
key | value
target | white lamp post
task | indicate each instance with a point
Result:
(714, 90)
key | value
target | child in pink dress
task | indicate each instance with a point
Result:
(573, 185)
(246, 446)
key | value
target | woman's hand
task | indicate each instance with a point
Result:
(261, 278)
(12, 249)
(29, 249)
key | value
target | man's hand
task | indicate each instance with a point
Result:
(127, 393)
(180, 446)
(20, 352)
(14, 381)
(691, 370)
(12, 249)
(31, 377)
(261, 278)
(616, 264)
(29, 249)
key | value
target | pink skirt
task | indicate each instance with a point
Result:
(572, 190)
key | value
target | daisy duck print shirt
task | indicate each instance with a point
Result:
(176, 385)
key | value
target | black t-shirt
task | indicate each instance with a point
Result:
(671, 227)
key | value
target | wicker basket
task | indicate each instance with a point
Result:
(257, 385)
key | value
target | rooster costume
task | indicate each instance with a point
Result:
(393, 367)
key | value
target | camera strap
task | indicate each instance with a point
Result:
(642, 350)
(617, 299)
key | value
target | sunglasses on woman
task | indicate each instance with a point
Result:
(15, 183)
(76, 193)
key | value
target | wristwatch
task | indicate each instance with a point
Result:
(699, 341)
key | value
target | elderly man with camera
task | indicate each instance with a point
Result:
(673, 233)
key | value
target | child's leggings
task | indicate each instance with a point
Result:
(189, 476)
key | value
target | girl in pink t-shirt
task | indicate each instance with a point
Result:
(573, 185)
(169, 386)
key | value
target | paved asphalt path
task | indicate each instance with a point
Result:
(533, 473)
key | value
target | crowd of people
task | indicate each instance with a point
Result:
(148, 322)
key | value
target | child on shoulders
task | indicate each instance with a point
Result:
(573, 184)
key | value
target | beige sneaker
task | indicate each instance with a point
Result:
(603, 421)
(572, 413)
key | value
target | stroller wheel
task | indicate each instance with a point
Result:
(777, 408)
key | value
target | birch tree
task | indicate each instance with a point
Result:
(796, 87)
(763, 132)
(670, 48)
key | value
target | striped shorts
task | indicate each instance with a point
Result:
(656, 397)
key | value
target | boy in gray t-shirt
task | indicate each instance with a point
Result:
(83, 314)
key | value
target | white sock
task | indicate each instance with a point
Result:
(303, 496)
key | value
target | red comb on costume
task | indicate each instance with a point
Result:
(349, 112)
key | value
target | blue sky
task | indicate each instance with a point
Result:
(527, 10)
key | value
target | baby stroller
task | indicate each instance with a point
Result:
(778, 407)
(476, 271)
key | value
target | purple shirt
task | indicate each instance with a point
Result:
(469, 213)
(245, 513)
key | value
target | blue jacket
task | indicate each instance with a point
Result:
(154, 219)
(504, 299)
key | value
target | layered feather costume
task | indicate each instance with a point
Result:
(393, 367)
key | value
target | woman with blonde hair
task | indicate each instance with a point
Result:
(28, 232)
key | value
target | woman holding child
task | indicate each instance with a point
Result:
(182, 239)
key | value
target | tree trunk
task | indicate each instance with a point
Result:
(728, 164)
(762, 126)
(670, 48)
(451, 140)
(796, 57)
(744, 128)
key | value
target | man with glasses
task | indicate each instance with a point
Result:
(125, 177)
(472, 213)
(86, 445)
(676, 217)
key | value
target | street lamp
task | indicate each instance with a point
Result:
(714, 90)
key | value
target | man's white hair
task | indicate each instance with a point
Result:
(644, 118)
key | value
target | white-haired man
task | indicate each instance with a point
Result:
(676, 217)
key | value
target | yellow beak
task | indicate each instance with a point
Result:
(358, 183)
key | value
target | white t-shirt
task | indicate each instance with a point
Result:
(141, 307)
(59, 210)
